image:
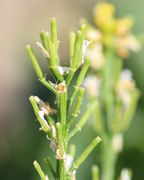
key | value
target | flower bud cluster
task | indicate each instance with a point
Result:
(109, 32)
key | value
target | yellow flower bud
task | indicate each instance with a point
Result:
(123, 26)
(103, 16)
(104, 9)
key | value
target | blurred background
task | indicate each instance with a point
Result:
(20, 141)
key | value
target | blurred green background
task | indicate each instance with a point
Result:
(20, 141)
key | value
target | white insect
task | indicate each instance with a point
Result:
(53, 145)
(125, 175)
(126, 75)
(63, 70)
(47, 177)
(118, 142)
(68, 162)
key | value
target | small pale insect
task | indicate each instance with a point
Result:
(63, 70)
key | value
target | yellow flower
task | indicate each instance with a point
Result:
(103, 16)
(123, 26)
(126, 44)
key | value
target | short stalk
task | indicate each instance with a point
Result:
(70, 76)
(72, 47)
(79, 81)
(47, 161)
(85, 154)
(43, 40)
(34, 62)
(48, 85)
(39, 170)
(83, 120)
(95, 172)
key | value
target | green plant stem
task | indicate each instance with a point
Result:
(61, 167)
(34, 62)
(130, 110)
(83, 72)
(54, 34)
(98, 124)
(50, 120)
(47, 161)
(54, 38)
(109, 157)
(76, 88)
(116, 125)
(108, 87)
(95, 172)
(53, 58)
(51, 51)
(72, 150)
(111, 74)
(48, 85)
(83, 120)
(39, 170)
(77, 55)
(79, 81)
(38, 70)
(84, 155)
(77, 107)
(43, 40)
(78, 49)
(62, 105)
(70, 76)
(72, 46)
